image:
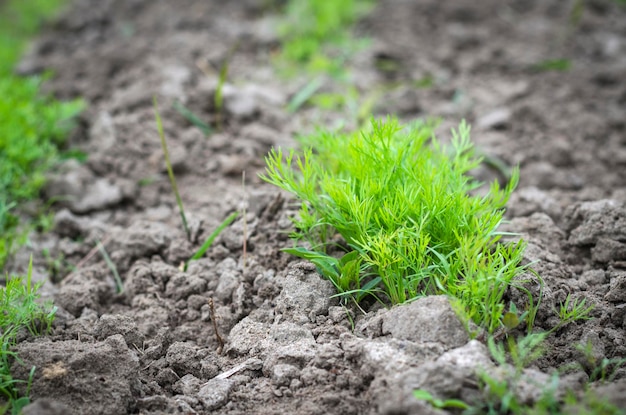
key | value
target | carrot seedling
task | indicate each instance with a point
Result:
(170, 171)
(403, 202)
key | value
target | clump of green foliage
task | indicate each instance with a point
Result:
(499, 388)
(403, 205)
(33, 126)
(19, 20)
(20, 312)
(312, 25)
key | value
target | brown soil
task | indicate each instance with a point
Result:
(289, 348)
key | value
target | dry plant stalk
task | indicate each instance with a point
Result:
(213, 320)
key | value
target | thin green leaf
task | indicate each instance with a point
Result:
(209, 241)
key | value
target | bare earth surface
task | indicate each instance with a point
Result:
(288, 347)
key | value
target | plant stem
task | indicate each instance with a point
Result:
(168, 164)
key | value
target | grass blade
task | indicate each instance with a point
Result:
(168, 164)
(207, 244)
(218, 98)
(304, 94)
(193, 118)
(119, 286)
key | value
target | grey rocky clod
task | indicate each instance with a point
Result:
(448, 377)
(426, 320)
(214, 394)
(244, 337)
(496, 119)
(588, 222)
(88, 287)
(184, 358)
(77, 187)
(229, 280)
(617, 291)
(142, 239)
(182, 285)
(305, 293)
(246, 101)
(65, 367)
(109, 325)
(608, 250)
(46, 406)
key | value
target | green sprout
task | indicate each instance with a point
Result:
(218, 98)
(426, 396)
(209, 241)
(21, 311)
(311, 25)
(570, 311)
(119, 285)
(403, 202)
(193, 118)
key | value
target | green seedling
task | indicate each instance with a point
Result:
(19, 21)
(571, 311)
(218, 98)
(20, 311)
(305, 94)
(170, 171)
(603, 370)
(402, 201)
(559, 65)
(33, 125)
(574, 310)
(425, 82)
(193, 119)
(426, 396)
(33, 128)
(310, 25)
(119, 285)
(209, 241)
(589, 404)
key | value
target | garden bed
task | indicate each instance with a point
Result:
(288, 345)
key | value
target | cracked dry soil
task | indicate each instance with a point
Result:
(289, 348)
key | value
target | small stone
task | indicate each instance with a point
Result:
(187, 385)
(282, 374)
(214, 393)
(103, 131)
(497, 119)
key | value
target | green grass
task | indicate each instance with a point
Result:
(409, 225)
(32, 126)
(499, 389)
(20, 312)
(211, 238)
(310, 27)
